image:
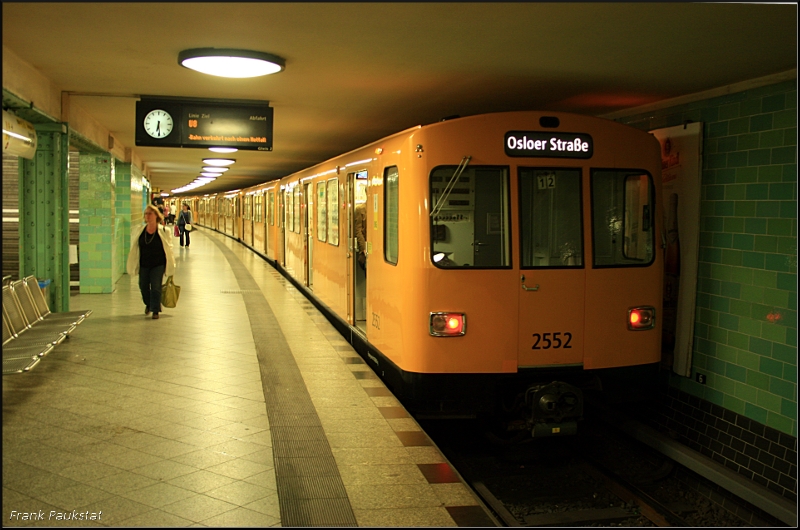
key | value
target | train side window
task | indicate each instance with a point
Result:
(622, 218)
(391, 214)
(322, 211)
(333, 211)
(551, 223)
(271, 206)
(469, 217)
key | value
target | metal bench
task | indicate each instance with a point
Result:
(20, 357)
(21, 329)
(31, 285)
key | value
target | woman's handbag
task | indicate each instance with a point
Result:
(177, 231)
(188, 227)
(170, 293)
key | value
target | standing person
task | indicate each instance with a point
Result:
(361, 234)
(151, 257)
(166, 213)
(184, 218)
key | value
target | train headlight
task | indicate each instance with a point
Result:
(641, 318)
(448, 324)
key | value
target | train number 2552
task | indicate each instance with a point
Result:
(544, 342)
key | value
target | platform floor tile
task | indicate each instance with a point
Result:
(240, 407)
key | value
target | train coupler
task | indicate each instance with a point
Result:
(555, 409)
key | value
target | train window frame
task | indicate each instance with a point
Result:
(333, 211)
(322, 211)
(271, 207)
(391, 191)
(509, 251)
(652, 197)
(580, 172)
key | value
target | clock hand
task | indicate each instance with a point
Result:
(158, 126)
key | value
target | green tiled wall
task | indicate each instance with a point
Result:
(746, 323)
(97, 214)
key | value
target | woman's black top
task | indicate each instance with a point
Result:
(151, 250)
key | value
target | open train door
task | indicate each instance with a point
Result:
(552, 275)
(356, 251)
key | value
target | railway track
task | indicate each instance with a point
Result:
(566, 481)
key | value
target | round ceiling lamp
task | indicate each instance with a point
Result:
(214, 169)
(231, 63)
(223, 149)
(210, 175)
(219, 161)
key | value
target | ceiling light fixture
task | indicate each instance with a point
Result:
(211, 169)
(210, 175)
(223, 149)
(219, 161)
(231, 63)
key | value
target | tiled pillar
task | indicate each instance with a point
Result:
(97, 221)
(44, 214)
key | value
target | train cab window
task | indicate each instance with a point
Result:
(469, 217)
(551, 227)
(623, 218)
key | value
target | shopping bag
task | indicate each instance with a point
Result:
(176, 231)
(170, 293)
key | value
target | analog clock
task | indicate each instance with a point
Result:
(158, 123)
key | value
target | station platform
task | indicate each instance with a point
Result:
(242, 406)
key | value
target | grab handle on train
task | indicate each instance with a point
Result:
(534, 288)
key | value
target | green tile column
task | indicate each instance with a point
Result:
(44, 213)
(122, 205)
(97, 221)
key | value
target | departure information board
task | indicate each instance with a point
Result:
(190, 122)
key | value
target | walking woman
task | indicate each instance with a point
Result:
(184, 218)
(151, 256)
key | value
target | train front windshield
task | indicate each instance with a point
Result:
(470, 217)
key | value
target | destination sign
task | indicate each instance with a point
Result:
(548, 144)
(203, 123)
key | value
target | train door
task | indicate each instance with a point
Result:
(282, 213)
(308, 230)
(552, 271)
(237, 217)
(356, 246)
(265, 218)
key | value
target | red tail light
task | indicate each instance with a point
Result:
(641, 318)
(448, 324)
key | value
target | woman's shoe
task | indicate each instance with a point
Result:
(155, 316)
(146, 310)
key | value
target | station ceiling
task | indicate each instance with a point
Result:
(356, 72)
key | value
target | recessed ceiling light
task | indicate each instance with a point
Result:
(210, 175)
(219, 161)
(212, 169)
(230, 63)
(223, 149)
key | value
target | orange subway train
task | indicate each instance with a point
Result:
(492, 265)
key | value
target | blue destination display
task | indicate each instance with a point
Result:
(548, 144)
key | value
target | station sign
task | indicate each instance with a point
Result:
(540, 144)
(202, 123)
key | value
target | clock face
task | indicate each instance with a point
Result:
(158, 123)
